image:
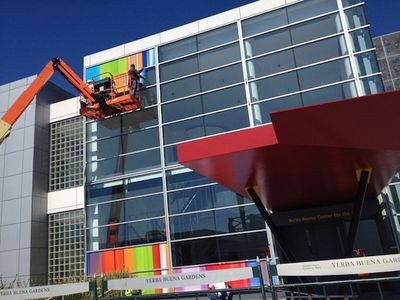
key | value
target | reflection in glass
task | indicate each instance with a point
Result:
(180, 88)
(141, 161)
(183, 178)
(142, 185)
(226, 121)
(270, 64)
(176, 49)
(171, 156)
(336, 92)
(262, 110)
(104, 192)
(355, 17)
(148, 96)
(229, 220)
(204, 103)
(139, 120)
(372, 85)
(217, 37)
(104, 169)
(310, 8)
(103, 128)
(274, 86)
(367, 63)
(220, 249)
(264, 22)
(125, 211)
(361, 40)
(267, 42)
(321, 50)
(325, 73)
(202, 198)
(136, 233)
(316, 28)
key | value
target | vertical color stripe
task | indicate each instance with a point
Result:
(128, 260)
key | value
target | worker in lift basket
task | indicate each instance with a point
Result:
(134, 77)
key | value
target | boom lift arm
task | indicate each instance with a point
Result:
(96, 103)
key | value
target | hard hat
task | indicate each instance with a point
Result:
(90, 81)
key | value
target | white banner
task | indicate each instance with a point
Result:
(37, 292)
(181, 279)
(347, 266)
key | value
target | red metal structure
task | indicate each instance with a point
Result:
(109, 95)
(337, 152)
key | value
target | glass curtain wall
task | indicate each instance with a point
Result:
(217, 81)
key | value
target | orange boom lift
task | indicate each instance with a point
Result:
(108, 96)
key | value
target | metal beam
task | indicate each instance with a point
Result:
(357, 209)
(267, 218)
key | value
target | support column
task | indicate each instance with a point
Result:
(267, 218)
(357, 209)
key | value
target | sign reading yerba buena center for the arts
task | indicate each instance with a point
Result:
(47, 291)
(347, 266)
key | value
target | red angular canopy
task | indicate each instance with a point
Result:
(308, 156)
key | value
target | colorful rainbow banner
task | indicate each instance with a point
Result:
(121, 66)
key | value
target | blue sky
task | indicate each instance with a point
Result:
(31, 32)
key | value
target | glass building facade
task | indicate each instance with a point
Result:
(144, 212)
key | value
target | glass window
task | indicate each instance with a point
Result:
(179, 68)
(180, 88)
(274, 86)
(104, 192)
(141, 140)
(229, 220)
(142, 185)
(183, 178)
(221, 77)
(171, 156)
(217, 37)
(204, 103)
(177, 49)
(267, 42)
(361, 40)
(112, 236)
(264, 22)
(262, 110)
(103, 128)
(372, 85)
(319, 51)
(104, 148)
(316, 28)
(367, 63)
(310, 8)
(148, 96)
(395, 192)
(218, 57)
(350, 2)
(220, 249)
(202, 198)
(138, 120)
(226, 121)
(104, 168)
(145, 232)
(185, 130)
(211, 124)
(325, 73)
(270, 64)
(225, 98)
(149, 75)
(142, 161)
(355, 17)
(336, 92)
(122, 211)
(144, 207)
(182, 109)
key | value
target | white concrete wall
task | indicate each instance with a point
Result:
(64, 109)
(65, 200)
